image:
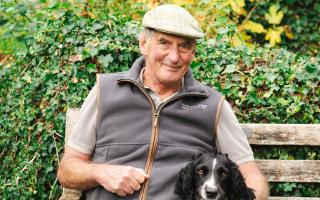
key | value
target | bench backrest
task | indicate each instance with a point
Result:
(270, 134)
(287, 135)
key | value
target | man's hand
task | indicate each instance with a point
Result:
(77, 171)
(118, 179)
(255, 179)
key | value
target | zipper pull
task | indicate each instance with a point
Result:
(155, 119)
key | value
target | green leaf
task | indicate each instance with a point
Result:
(97, 26)
(105, 60)
(311, 68)
(230, 69)
(92, 68)
(93, 51)
(49, 169)
(271, 76)
(283, 101)
(27, 78)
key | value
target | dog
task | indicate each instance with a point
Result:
(212, 176)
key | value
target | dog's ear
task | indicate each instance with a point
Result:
(238, 185)
(248, 194)
(184, 186)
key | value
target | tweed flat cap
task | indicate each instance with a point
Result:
(172, 19)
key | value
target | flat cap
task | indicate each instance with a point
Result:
(172, 19)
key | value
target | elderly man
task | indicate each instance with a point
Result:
(137, 129)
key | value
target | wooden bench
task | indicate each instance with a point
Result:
(299, 171)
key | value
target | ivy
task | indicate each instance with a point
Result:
(263, 85)
(36, 89)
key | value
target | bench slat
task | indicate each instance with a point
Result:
(72, 116)
(283, 134)
(307, 171)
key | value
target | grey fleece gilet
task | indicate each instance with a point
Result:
(128, 123)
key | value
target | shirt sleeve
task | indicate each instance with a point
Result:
(231, 139)
(83, 136)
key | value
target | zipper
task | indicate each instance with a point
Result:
(153, 142)
(155, 134)
(151, 155)
(154, 145)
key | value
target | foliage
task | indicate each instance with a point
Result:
(17, 25)
(221, 13)
(68, 46)
(264, 85)
(55, 73)
(292, 24)
(217, 14)
(304, 21)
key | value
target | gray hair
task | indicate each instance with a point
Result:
(146, 33)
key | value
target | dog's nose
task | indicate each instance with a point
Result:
(211, 193)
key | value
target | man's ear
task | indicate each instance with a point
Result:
(143, 45)
(194, 53)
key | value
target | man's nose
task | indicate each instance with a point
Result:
(174, 54)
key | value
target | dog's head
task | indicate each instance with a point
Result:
(212, 177)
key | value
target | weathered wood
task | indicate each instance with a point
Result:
(283, 134)
(72, 116)
(70, 194)
(307, 171)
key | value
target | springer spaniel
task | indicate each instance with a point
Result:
(212, 176)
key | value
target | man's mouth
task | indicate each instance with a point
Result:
(172, 67)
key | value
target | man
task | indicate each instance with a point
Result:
(139, 128)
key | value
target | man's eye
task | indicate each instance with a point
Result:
(185, 47)
(163, 42)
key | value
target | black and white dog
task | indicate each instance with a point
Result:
(212, 176)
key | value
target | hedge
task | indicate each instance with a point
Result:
(59, 67)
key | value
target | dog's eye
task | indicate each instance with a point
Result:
(201, 172)
(222, 172)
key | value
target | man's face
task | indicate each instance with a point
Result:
(167, 57)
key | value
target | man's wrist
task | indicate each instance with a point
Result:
(93, 175)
